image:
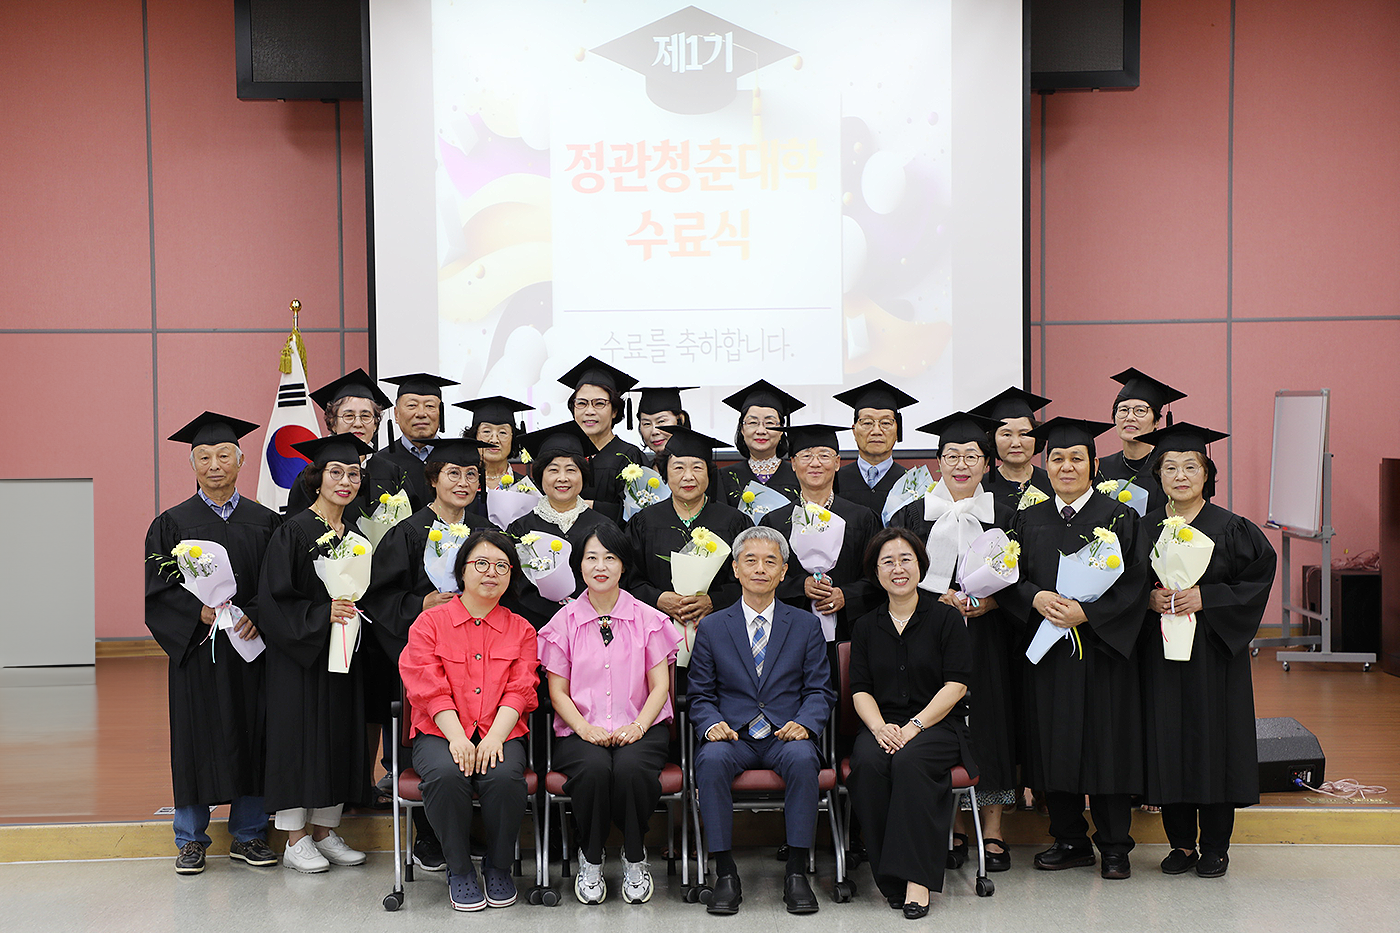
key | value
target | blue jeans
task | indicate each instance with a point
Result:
(247, 820)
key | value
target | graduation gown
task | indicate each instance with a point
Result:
(1010, 493)
(1083, 715)
(1200, 713)
(218, 705)
(524, 599)
(315, 721)
(419, 494)
(606, 486)
(399, 582)
(996, 646)
(1117, 466)
(383, 475)
(657, 530)
(850, 484)
(849, 572)
(735, 478)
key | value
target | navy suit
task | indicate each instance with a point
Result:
(724, 686)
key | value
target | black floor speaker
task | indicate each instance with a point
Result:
(1288, 752)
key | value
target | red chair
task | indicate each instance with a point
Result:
(672, 797)
(964, 785)
(407, 796)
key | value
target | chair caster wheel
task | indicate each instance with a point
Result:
(550, 898)
(393, 900)
(535, 896)
(704, 894)
(985, 887)
(843, 891)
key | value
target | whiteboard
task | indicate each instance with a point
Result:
(1295, 471)
(37, 629)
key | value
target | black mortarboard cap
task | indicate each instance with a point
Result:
(1137, 384)
(212, 428)
(463, 451)
(800, 437)
(689, 62)
(684, 442)
(764, 395)
(1011, 403)
(878, 395)
(962, 427)
(341, 448)
(594, 372)
(558, 440)
(1070, 432)
(494, 409)
(351, 385)
(420, 384)
(654, 399)
(1181, 436)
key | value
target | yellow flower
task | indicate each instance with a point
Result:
(655, 483)
(1185, 534)
(1173, 522)
(529, 539)
(1113, 562)
(326, 538)
(1011, 554)
(180, 550)
(698, 534)
(435, 535)
(824, 515)
(196, 551)
(1108, 487)
(507, 478)
(748, 497)
(1009, 560)
(459, 530)
(1125, 496)
(384, 498)
(711, 546)
(1104, 535)
(556, 545)
(357, 550)
(525, 456)
(631, 472)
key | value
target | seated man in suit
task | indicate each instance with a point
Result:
(760, 694)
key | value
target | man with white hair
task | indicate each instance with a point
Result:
(760, 695)
(217, 702)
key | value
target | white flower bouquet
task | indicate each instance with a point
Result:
(1180, 556)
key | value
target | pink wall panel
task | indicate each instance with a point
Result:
(245, 193)
(1136, 180)
(73, 232)
(1317, 155)
(352, 164)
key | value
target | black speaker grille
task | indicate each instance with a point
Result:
(305, 40)
(1076, 35)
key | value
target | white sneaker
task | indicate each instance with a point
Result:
(335, 849)
(636, 882)
(589, 886)
(305, 857)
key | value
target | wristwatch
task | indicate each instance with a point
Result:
(917, 722)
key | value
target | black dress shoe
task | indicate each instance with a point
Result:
(1178, 862)
(797, 894)
(1062, 855)
(1213, 864)
(1115, 867)
(997, 861)
(914, 911)
(728, 895)
(896, 903)
(782, 853)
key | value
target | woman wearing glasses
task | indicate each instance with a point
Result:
(911, 660)
(1202, 758)
(949, 519)
(1139, 409)
(608, 657)
(763, 410)
(469, 676)
(597, 406)
(316, 747)
(353, 404)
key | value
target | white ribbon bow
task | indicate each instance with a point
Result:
(955, 526)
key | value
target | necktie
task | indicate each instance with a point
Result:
(872, 477)
(760, 727)
(1067, 513)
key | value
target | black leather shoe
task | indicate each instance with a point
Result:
(997, 861)
(1213, 864)
(1062, 855)
(1115, 867)
(896, 903)
(914, 911)
(190, 861)
(1178, 862)
(728, 895)
(797, 894)
(782, 853)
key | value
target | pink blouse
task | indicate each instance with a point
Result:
(608, 683)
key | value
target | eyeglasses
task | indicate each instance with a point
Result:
(1191, 470)
(887, 564)
(363, 417)
(884, 424)
(825, 459)
(1137, 411)
(336, 474)
(955, 459)
(456, 476)
(753, 424)
(596, 404)
(483, 564)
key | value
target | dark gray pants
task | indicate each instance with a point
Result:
(447, 797)
(1216, 821)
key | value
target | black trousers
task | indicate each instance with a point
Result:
(1113, 820)
(1216, 820)
(447, 797)
(904, 802)
(619, 785)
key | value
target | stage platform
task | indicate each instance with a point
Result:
(84, 766)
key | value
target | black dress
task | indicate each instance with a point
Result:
(1010, 493)
(218, 708)
(735, 478)
(903, 800)
(849, 572)
(1200, 713)
(524, 599)
(381, 475)
(850, 484)
(1117, 466)
(996, 647)
(607, 485)
(657, 530)
(315, 719)
(1083, 714)
(398, 454)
